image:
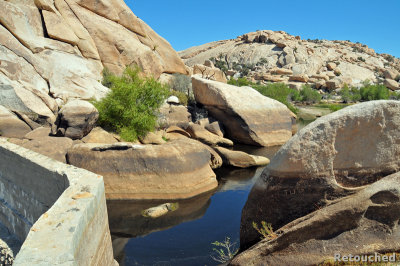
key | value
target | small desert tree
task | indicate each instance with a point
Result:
(131, 105)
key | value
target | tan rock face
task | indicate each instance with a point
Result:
(268, 77)
(175, 170)
(53, 147)
(82, 37)
(331, 66)
(173, 115)
(58, 29)
(391, 73)
(257, 121)
(301, 78)
(38, 133)
(281, 71)
(200, 133)
(240, 159)
(318, 165)
(152, 138)
(10, 125)
(210, 73)
(99, 135)
(392, 84)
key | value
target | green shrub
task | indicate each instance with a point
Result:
(310, 95)
(371, 92)
(279, 92)
(265, 231)
(332, 106)
(131, 105)
(107, 78)
(239, 82)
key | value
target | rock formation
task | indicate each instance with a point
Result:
(54, 51)
(258, 120)
(361, 224)
(176, 170)
(333, 157)
(276, 56)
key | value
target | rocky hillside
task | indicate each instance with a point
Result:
(269, 56)
(53, 51)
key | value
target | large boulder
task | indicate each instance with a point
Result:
(200, 133)
(176, 170)
(363, 223)
(248, 117)
(173, 115)
(77, 119)
(241, 159)
(212, 73)
(11, 126)
(392, 84)
(332, 157)
(99, 135)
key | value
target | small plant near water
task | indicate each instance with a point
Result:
(131, 105)
(225, 250)
(265, 230)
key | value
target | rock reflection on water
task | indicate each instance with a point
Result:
(126, 219)
(184, 236)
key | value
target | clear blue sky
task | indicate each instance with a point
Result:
(189, 23)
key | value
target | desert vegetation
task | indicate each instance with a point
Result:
(130, 107)
(307, 95)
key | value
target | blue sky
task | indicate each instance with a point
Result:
(189, 23)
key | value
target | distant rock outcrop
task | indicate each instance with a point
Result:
(276, 56)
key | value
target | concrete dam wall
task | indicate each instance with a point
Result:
(58, 210)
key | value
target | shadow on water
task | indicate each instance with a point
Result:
(184, 236)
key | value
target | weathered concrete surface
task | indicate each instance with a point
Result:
(59, 209)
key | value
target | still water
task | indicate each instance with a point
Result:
(184, 237)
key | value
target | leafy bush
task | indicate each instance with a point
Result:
(371, 92)
(239, 82)
(279, 92)
(350, 95)
(130, 107)
(308, 94)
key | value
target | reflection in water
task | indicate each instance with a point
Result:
(184, 237)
